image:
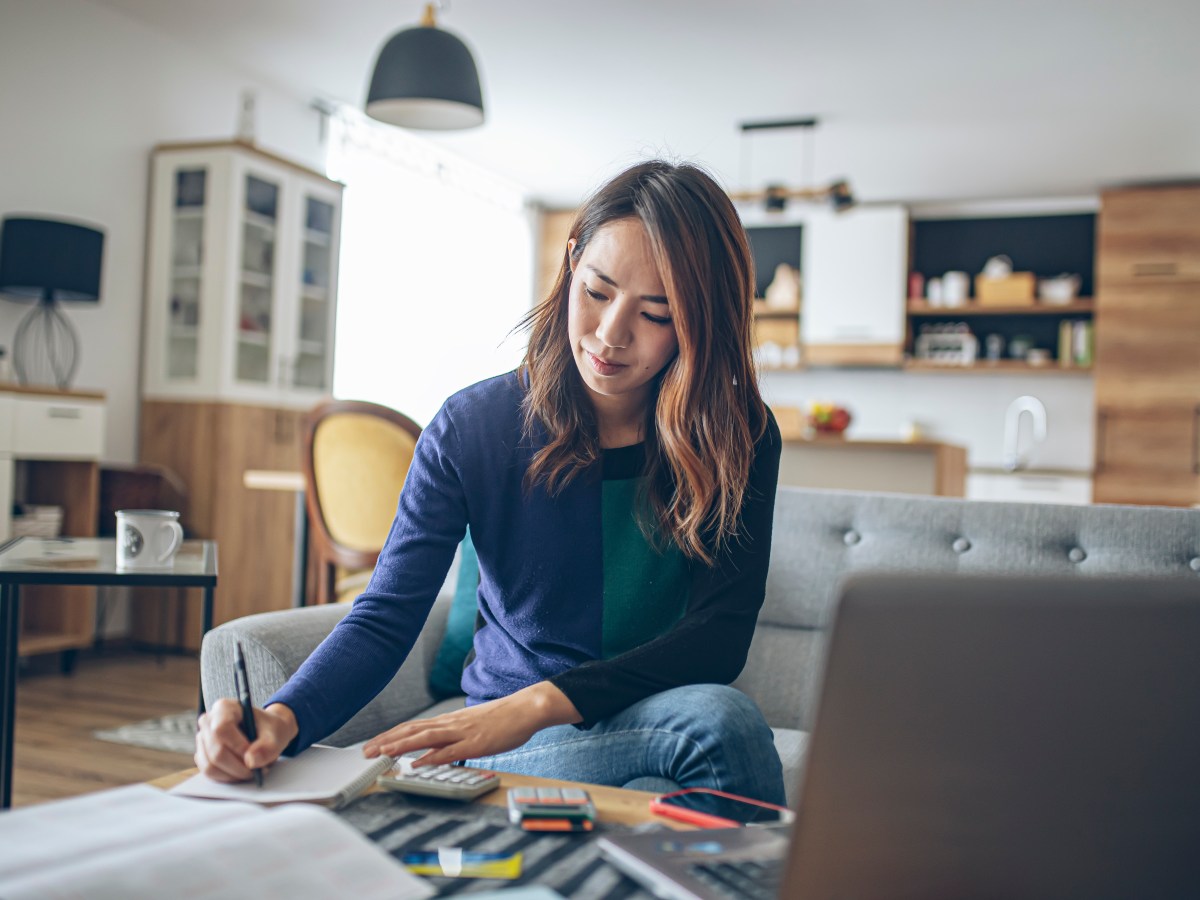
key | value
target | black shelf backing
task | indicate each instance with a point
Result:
(771, 245)
(1045, 245)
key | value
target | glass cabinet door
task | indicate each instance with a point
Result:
(189, 207)
(256, 280)
(310, 366)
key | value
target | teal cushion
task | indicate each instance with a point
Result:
(445, 679)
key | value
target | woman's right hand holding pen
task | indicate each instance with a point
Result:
(223, 752)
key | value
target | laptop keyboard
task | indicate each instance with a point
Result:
(745, 880)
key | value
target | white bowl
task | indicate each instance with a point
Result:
(1058, 291)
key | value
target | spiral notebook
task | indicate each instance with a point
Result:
(330, 776)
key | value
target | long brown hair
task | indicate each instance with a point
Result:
(707, 413)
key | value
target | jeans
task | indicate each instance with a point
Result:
(701, 735)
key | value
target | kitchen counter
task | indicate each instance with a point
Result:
(906, 467)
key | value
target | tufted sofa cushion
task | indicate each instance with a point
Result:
(823, 536)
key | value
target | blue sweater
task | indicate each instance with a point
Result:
(542, 593)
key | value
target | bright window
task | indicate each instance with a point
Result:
(436, 269)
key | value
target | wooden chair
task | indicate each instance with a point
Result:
(356, 456)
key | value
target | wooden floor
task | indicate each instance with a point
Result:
(55, 753)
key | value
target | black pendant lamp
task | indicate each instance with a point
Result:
(426, 78)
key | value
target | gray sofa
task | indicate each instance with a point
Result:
(820, 538)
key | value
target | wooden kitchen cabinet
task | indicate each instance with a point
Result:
(1148, 343)
(1148, 455)
(1150, 234)
(1148, 347)
(210, 445)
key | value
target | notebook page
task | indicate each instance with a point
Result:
(298, 852)
(331, 775)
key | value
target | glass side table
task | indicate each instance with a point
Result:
(79, 561)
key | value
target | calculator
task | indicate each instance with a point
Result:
(445, 781)
(551, 809)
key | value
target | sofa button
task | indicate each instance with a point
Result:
(961, 545)
(1076, 555)
(851, 537)
(1194, 565)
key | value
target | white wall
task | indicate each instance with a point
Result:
(84, 94)
(960, 409)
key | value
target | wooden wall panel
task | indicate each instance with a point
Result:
(554, 229)
(210, 446)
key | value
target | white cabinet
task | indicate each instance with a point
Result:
(50, 431)
(242, 276)
(1030, 487)
(50, 446)
(855, 275)
(57, 429)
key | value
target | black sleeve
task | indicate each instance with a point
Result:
(709, 644)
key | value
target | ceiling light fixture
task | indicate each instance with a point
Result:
(426, 78)
(775, 197)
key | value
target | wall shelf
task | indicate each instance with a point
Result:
(999, 367)
(1081, 306)
(777, 313)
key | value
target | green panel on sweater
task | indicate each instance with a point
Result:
(645, 592)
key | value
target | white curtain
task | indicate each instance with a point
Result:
(436, 268)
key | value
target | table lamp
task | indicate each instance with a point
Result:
(48, 261)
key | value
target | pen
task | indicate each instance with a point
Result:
(243, 689)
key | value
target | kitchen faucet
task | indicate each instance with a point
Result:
(1013, 459)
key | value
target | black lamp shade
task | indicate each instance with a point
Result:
(43, 258)
(425, 78)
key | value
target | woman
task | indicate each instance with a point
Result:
(619, 488)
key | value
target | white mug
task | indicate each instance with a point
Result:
(147, 538)
(956, 286)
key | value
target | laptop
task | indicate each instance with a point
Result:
(980, 737)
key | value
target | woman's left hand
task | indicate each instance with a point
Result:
(482, 730)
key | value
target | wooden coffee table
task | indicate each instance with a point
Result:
(615, 805)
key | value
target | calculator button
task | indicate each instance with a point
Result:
(574, 795)
(474, 779)
(459, 778)
(549, 795)
(443, 776)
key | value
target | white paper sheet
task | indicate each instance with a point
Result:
(128, 843)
